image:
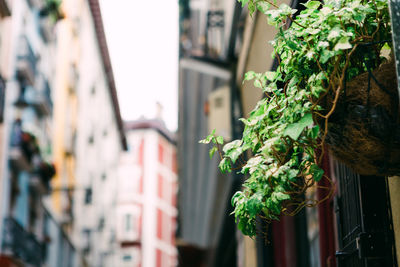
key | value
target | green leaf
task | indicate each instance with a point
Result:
(249, 75)
(251, 7)
(234, 154)
(316, 172)
(313, 31)
(294, 130)
(280, 196)
(212, 151)
(314, 132)
(271, 75)
(273, 206)
(343, 44)
(263, 7)
(254, 204)
(326, 10)
(334, 33)
(312, 5)
(235, 197)
(208, 139)
(326, 55)
(257, 83)
(225, 165)
(232, 145)
(220, 140)
(244, 2)
(292, 174)
(292, 44)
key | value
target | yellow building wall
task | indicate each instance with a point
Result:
(255, 56)
(65, 111)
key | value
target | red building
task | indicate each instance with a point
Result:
(147, 189)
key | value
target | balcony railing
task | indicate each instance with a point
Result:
(26, 63)
(40, 99)
(21, 244)
(22, 149)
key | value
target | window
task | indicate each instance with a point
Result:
(160, 186)
(88, 195)
(159, 224)
(127, 257)
(158, 258)
(128, 222)
(91, 139)
(160, 153)
(174, 163)
(102, 222)
(86, 241)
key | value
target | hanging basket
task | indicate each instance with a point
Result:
(364, 132)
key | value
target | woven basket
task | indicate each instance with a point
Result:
(364, 132)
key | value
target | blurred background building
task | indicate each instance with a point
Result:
(28, 67)
(89, 136)
(147, 190)
(58, 78)
(210, 41)
(80, 187)
(67, 197)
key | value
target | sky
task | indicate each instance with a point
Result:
(142, 38)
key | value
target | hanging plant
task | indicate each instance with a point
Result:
(307, 98)
(52, 10)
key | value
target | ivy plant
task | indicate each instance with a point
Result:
(282, 145)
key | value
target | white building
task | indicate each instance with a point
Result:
(146, 203)
(99, 141)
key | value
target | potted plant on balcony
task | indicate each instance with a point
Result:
(335, 80)
(29, 146)
(52, 10)
(46, 171)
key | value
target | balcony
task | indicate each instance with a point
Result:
(42, 176)
(26, 62)
(40, 99)
(21, 244)
(23, 150)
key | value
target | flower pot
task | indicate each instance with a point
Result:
(364, 132)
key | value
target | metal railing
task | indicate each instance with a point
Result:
(26, 64)
(21, 244)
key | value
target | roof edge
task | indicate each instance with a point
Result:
(105, 56)
(155, 124)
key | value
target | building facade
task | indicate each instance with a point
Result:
(56, 78)
(147, 190)
(90, 137)
(211, 39)
(27, 68)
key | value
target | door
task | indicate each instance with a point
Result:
(365, 231)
